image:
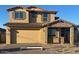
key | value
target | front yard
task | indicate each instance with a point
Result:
(49, 49)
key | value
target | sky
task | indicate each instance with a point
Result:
(66, 12)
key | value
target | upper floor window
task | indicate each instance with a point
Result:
(33, 17)
(19, 15)
(45, 17)
(33, 14)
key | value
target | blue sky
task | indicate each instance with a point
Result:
(65, 12)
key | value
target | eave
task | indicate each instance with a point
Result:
(44, 11)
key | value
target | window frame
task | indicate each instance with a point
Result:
(52, 31)
(33, 14)
(24, 15)
(44, 18)
(33, 17)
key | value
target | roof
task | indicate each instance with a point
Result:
(28, 9)
(2, 30)
(36, 25)
(54, 12)
(63, 22)
(31, 25)
(34, 7)
(13, 8)
(21, 7)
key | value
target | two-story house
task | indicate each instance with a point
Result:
(36, 25)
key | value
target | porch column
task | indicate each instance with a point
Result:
(7, 35)
(57, 36)
(71, 36)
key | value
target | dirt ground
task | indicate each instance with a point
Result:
(49, 49)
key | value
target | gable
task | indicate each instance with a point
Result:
(61, 23)
(14, 8)
(35, 8)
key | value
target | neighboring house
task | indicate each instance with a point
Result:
(36, 25)
(2, 36)
(77, 32)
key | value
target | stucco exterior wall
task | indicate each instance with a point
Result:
(72, 36)
(52, 17)
(7, 35)
(39, 18)
(44, 35)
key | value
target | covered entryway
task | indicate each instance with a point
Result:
(58, 35)
(61, 32)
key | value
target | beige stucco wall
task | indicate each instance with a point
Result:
(44, 35)
(39, 18)
(72, 36)
(7, 35)
(52, 17)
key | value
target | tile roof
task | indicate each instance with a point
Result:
(28, 9)
(24, 24)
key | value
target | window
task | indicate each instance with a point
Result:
(45, 17)
(33, 16)
(62, 32)
(51, 31)
(19, 15)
